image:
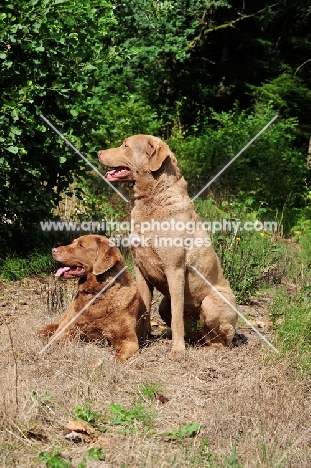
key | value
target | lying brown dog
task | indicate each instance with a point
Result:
(118, 313)
(170, 265)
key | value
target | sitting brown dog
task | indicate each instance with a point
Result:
(181, 264)
(113, 306)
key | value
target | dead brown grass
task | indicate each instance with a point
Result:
(245, 402)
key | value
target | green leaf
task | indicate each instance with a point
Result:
(13, 149)
(14, 114)
(187, 431)
(89, 66)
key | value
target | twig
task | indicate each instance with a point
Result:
(230, 24)
(18, 437)
(300, 66)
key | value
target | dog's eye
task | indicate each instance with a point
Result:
(125, 145)
(80, 245)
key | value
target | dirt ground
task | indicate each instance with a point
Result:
(253, 410)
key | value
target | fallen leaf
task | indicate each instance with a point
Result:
(79, 426)
(160, 397)
(74, 436)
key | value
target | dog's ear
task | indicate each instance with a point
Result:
(107, 256)
(157, 151)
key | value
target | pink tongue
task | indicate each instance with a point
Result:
(113, 171)
(109, 174)
(116, 173)
(62, 270)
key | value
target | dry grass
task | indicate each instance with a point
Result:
(252, 410)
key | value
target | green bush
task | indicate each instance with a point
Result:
(15, 268)
(272, 171)
(243, 260)
(55, 60)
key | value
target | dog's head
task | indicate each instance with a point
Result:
(138, 154)
(87, 254)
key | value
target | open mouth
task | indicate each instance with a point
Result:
(118, 174)
(70, 272)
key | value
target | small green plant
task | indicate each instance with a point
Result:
(94, 454)
(231, 461)
(92, 417)
(203, 457)
(54, 460)
(149, 389)
(44, 399)
(86, 414)
(190, 430)
(128, 418)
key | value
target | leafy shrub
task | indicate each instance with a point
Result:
(55, 61)
(16, 268)
(271, 171)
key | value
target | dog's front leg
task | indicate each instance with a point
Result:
(146, 291)
(176, 284)
(66, 324)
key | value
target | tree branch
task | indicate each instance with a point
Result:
(309, 60)
(230, 24)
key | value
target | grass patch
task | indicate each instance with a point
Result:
(90, 416)
(190, 430)
(16, 268)
(55, 459)
(244, 260)
(225, 392)
(154, 411)
(149, 389)
(129, 418)
(291, 318)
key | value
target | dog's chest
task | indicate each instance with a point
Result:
(151, 266)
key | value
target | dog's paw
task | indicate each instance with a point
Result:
(48, 331)
(119, 358)
(177, 353)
